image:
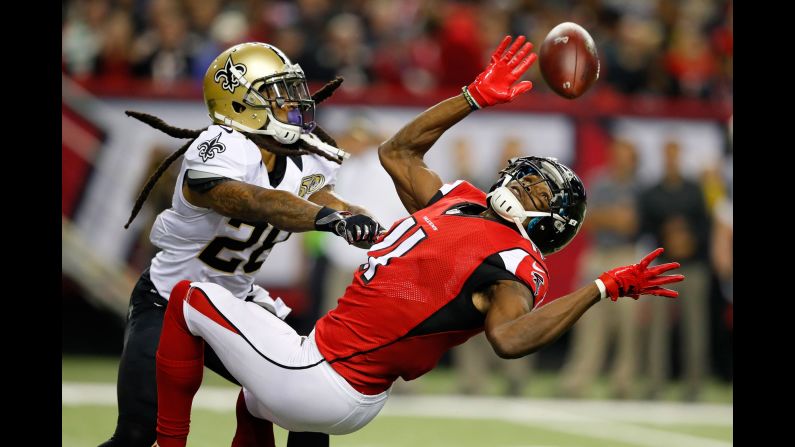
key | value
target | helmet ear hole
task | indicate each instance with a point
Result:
(237, 107)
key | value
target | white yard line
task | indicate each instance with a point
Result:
(561, 409)
(208, 398)
(612, 420)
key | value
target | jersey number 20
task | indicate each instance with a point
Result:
(210, 254)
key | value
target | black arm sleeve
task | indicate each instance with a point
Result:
(201, 182)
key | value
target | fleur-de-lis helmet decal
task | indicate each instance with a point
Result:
(227, 75)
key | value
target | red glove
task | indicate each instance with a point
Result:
(637, 279)
(494, 85)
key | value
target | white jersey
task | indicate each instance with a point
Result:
(199, 244)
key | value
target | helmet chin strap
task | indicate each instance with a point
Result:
(507, 206)
(519, 225)
(283, 133)
(315, 141)
(287, 136)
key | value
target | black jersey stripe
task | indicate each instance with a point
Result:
(299, 162)
(277, 175)
(460, 313)
(436, 197)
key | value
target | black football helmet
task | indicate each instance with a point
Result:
(549, 230)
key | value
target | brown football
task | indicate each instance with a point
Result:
(568, 60)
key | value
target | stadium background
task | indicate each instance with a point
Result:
(666, 73)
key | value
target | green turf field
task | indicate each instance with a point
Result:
(430, 415)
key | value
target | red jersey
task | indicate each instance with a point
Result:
(412, 301)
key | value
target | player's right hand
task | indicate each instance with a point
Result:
(638, 279)
(359, 230)
(495, 85)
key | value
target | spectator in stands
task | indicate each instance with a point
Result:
(113, 61)
(82, 36)
(612, 224)
(344, 52)
(673, 214)
(690, 62)
(165, 54)
(667, 47)
(630, 60)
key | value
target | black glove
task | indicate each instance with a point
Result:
(358, 230)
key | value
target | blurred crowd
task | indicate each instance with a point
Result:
(671, 48)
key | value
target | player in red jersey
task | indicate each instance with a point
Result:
(461, 263)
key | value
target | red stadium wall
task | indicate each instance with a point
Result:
(80, 141)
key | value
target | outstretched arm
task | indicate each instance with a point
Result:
(326, 196)
(370, 227)
(283, 210)
(515, 331)
(402, 156)
(252, 203)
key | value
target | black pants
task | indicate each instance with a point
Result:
(136, 387)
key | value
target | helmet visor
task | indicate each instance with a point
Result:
(287, 92)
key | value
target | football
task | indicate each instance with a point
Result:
(568, 60)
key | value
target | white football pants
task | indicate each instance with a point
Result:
(285, 379)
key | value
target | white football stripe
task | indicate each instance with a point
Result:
(399, 231)
(512, 258)
(401, 249)
(447, 187)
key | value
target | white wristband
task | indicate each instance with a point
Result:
(602, 288)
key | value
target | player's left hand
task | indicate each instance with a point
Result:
(638, 279)
(357, 229)
(495, 85)
(360, 230)
(366, 244)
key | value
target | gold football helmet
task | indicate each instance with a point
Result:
(245, 84)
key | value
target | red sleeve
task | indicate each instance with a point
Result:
(530, 270)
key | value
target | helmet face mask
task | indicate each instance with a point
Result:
(549, 230)
(254, 88)
(284, 91)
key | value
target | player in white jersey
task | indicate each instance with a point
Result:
(262, 171)
(196, 243)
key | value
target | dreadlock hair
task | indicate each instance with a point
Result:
(298, 148)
